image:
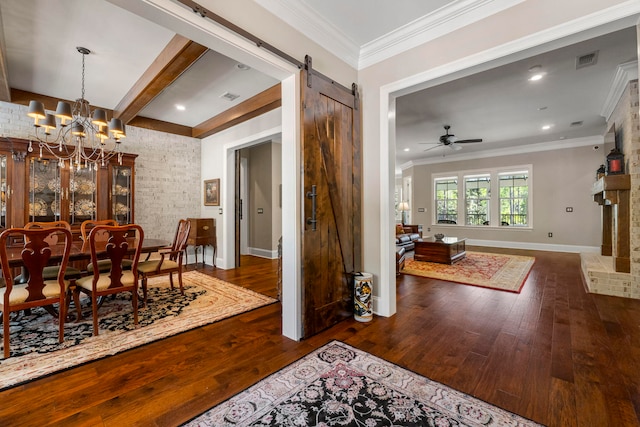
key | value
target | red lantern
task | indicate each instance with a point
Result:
(615, 162)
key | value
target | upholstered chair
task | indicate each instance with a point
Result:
(114, 243)
(51, 272)
(33, 249)
(104, 265)
(170, 260)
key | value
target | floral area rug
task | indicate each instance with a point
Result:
(35, 350)
(338, 385)
(495, 271)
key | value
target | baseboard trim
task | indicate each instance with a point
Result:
(533, 246)
(263, 253)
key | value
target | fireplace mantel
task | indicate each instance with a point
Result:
(612, 193)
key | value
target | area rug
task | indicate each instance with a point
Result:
(35, 350)
(338, 385)
(495, 271)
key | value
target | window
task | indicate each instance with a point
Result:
(398, 199)
(514, 199)
(446, 200)
(477, 197)
(499, 197)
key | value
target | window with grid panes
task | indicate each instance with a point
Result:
(477, 197)
(514, 199)
(446, 191)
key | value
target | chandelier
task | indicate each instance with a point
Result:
(84, 138)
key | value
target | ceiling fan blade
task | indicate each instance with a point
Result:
(464, 141)
(435, 146)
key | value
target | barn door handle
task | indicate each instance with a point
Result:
(312, 195)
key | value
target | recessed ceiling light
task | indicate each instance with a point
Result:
(542, 108)
(180, 107)
(243, 67)
(536, 73)
(406, 149)
(546, 127)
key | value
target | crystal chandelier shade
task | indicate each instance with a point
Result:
(84, 137)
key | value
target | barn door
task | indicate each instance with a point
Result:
(331, 151)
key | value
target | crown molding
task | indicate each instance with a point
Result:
(447, 19)
(624, 74)
(306, 21)
(510, 151)
(451, 17)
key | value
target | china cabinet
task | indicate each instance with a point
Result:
(121, 192)
(3, 189)
(43, 188)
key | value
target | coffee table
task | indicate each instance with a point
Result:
(445, 251)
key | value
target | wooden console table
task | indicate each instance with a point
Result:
(203, 233)
(612, 193)
(445, 251)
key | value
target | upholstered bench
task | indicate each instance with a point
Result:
(400, 253)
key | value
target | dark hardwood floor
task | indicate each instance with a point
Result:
(552, 353)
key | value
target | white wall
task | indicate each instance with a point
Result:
(215, 153)
(560, 178)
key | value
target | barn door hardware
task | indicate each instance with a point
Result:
(312, 220)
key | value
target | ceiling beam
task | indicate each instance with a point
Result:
(5, 92)
(263, 102)
(160, 125)
(22, 97)
(174, 59)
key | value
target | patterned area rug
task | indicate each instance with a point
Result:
(338, 385)
(35, 350)
(495, 271)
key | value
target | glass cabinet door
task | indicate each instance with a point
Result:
(45, 193)
(82, 191)
(3, 191)
(121, 190)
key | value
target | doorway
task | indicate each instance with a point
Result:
(258, 204)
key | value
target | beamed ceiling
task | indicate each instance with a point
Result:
(152, 68)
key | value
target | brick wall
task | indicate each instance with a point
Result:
(168, 184)
(602, 279)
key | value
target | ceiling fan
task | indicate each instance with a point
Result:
(450, 140)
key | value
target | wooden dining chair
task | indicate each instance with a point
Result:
(116, 242)
(34, 252)
(170, 260)
(104, 265)
(51, 272)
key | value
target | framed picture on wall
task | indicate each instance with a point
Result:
(212, 192)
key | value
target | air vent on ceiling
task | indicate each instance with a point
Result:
(586, 60)
(575, 124)
(229, 96)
